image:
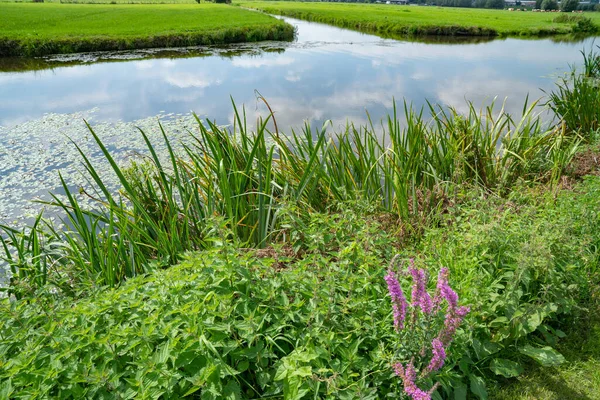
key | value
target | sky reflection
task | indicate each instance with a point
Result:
(327, 74)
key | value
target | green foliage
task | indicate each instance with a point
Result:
(525, 268)
(310, 317)
(569, 5)
(576, 100)
(162, 211)
(549, 5)
(224, 323)
(498, 4)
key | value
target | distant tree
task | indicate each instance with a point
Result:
(549, 5)
(569, 5)
(499, 4)
(463, 3)
(538, 4)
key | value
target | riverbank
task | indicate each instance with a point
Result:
(42, 29)
(239, 322)
(250, 263)
(422, 21)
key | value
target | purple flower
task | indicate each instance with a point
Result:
(439, 355)
(445, 291)
(408, 376)
(399, 303)
(453, 319)
(420, 297)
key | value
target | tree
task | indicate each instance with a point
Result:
(538, 4)
(569, 5)
(549, 5)
(499, 4)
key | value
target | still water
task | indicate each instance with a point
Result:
(326, 74)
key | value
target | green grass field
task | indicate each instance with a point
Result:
(38, 29)
(402, 20)
(110, 1)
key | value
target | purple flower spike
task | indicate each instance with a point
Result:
(399, 303)
(445, 291)
(420, 297)
(453, 319)
(408, 376)
(439, 355)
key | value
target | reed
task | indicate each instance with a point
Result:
(576, 99)
(162, 211)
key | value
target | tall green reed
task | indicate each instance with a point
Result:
(163, 209)
(576, 99)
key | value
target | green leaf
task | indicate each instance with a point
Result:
(546, 356)
(6, 389)
(484, 349)
(478, 387)
(506, 368)
(498, 322)
(460, 392)
(232, 391)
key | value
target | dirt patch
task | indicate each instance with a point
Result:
(585, 163)
(282, 255)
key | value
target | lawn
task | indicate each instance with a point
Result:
(38, 29)
(390, 20)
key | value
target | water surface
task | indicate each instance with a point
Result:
(328, 73)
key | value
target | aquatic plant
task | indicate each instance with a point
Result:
(165, 204)
(576, 100)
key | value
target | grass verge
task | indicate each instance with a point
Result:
(308, 317)
(393, 20)
(40, 29)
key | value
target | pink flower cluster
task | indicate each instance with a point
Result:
(420, 299)
(399, 303)
(408, 376)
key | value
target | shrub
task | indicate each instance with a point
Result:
(498, 4)
(569, 5)
(549, 5)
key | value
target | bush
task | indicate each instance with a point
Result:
(498, 4)
(569, 5)
(549, 5)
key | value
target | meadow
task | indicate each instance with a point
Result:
(411, 20)
(40, 29)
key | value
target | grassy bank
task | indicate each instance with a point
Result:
(39, 29)
(253, 264)
(309, 317)
(394, 20)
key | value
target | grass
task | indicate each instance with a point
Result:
(578, 379)
(387, 20)
(39, 29)
(110, 1)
